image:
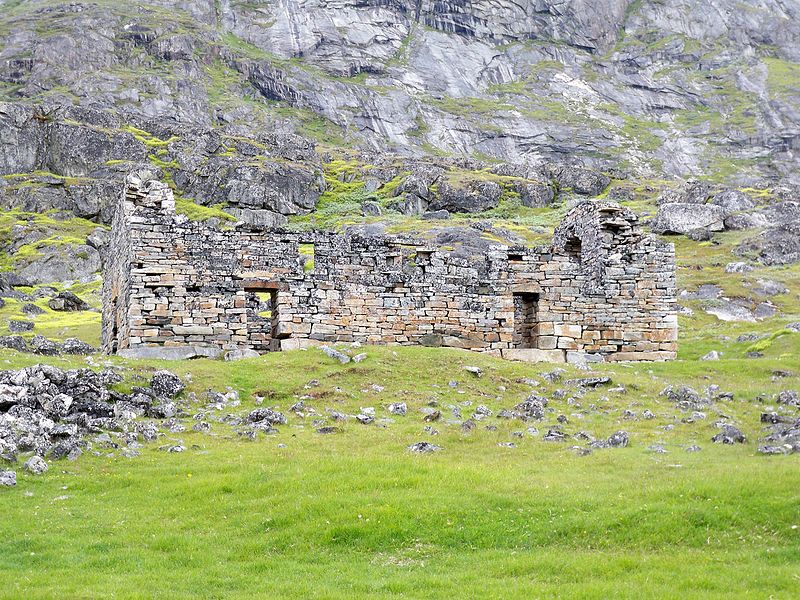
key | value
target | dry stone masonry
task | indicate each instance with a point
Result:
(174, 287)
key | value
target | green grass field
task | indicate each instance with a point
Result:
(355, 514)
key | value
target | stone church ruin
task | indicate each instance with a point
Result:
(173, 287)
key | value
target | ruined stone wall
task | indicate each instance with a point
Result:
(602, 288)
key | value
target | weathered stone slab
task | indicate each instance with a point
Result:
(534, 355)
(170, 352)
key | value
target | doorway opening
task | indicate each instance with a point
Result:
(262, 316)
(572, 249)
(526, 326)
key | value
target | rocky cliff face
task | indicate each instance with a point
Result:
(691, 87)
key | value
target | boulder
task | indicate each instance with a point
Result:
(732, 201)
(76, 346)
(371, 209)
(164, 410)
(398, 408)
(776, 246)
(41, 345)
(789, 398)
(531, 408)
(700, 235)
(60, 263)
(475, 196)
(534, 194)
(579, 180)
(241, 354)
(329, 429)
(98, 239)
(57, 406)
(419, 181)
(15, 326)
(8, 478)
(166, 385)
(31, 310)
(738, 267)
(682, 217)
(554, 435)
(67, 301)
(436, 215)
(409, 204)
(768, 287)
(476, 371)
(746, 220)
(780, 213)
(689, 192)
(14, 342)
(684, 397)
(5, 287)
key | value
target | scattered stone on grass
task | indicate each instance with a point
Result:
(266, 415)
(329, 429)
(166, 385)
(789, 398)
(553, 435)
(333, 353)
(530, 408)
(468, 426)
(241, 354)
(618, 439)
(553, 376)
(729, 435)
(424, 447)
(41, 345)
(398, 408)
(35, 465)
(477, 371)
(432, 416)
(588, 381)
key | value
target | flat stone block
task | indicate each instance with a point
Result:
(567, 330)
(192, 330)
(534, 355)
